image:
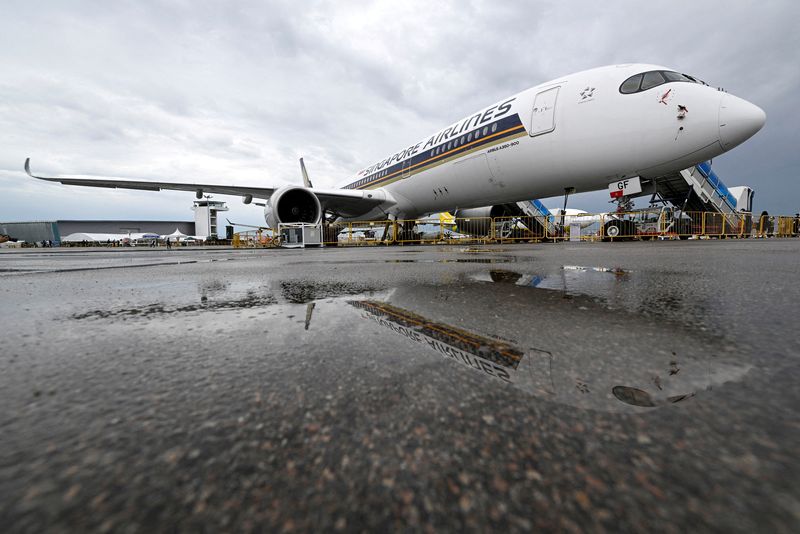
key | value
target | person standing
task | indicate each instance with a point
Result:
(763, 223)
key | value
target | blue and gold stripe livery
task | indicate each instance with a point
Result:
(479, 138)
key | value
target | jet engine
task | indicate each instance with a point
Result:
(476, 221)
(292, 204)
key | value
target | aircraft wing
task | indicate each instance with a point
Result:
(118, 183)
(343, 202)
(349, 202)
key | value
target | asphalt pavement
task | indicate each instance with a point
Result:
(560, 387)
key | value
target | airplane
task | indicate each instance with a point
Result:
(576, 133)
(575, 216)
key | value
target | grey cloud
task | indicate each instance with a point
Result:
(237, 91)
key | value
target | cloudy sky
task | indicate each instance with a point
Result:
(236, 91)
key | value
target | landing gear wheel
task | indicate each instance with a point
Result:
(612, 230)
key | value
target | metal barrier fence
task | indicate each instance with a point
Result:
(263, 238)
(639, 225)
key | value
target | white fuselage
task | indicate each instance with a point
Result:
(579, 131)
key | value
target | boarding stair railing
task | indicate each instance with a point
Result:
(700, 189)
(539, 213)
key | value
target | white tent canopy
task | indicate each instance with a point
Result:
(177, 234)
(92, 238)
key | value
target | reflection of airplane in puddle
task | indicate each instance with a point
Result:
(595, 281)
(612, 365)
(494, 357)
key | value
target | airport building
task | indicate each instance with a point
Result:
(205, 224)
(55, 231)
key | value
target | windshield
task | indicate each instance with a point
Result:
(647, 80)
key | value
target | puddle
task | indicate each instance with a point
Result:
(213, 292)
(510, 259)
(510, 328)
(305, 292)
(475, 250)
(595, 282)
(575, 352)
(251, 300)
(504, 259)
(451, 341)
(615, 270)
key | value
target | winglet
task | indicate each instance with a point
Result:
(28, 170)
(306, 180)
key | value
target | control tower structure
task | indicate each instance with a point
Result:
(205, 216)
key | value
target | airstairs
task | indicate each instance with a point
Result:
(699, 189)
(541, 215)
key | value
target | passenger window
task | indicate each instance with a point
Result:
(494, 127)
(652, 79)
(631, 85)
(449, 145)
(485, 130)
(477, 134)
(469, 137)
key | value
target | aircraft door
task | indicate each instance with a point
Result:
(543, 116)
(406, 169)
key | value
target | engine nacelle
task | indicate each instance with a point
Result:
(292, 204)
(476, 221)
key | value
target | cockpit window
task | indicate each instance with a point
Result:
(631, 85)
(654, 78)
(677, 77)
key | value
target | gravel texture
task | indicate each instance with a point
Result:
(571, 387)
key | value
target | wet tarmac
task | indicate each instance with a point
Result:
(602, 387)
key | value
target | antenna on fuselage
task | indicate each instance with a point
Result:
(306, 181)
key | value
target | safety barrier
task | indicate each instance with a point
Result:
(262, 238)
(636, 225)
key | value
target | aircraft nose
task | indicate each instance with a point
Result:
(739, 120)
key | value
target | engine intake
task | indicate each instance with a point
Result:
(292, 204)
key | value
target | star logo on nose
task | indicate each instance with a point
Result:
(587, 93)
